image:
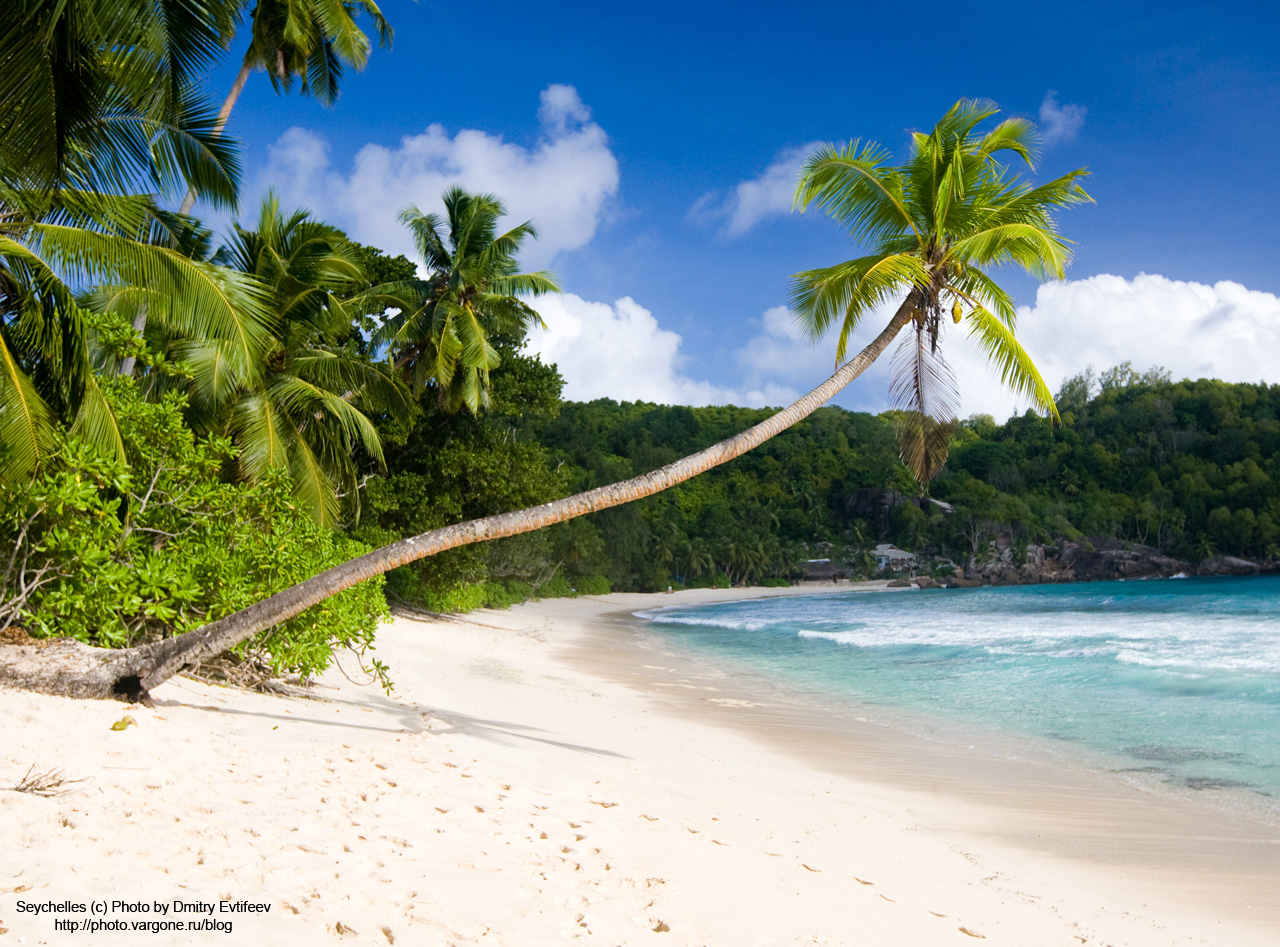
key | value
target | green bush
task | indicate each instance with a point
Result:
(556, 587)
(776, 583)
(460, 598)
(593, 585)
(157, 544)
(506, 594)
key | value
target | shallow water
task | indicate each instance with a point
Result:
(1175, 679)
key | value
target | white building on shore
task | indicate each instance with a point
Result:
(889, 558)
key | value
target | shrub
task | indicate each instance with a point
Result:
(556, 587)
(593, 585)
(116, 552)
(497, 595)
(460, 598)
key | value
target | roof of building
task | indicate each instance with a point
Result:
(822, 569)
(890, 551)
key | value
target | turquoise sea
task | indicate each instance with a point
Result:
(1174, 680)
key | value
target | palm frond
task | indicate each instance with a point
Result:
(96, 420)
(187, 295)
(26, 422)
(852, 186)
(923, 389)
(312, 487)
(1012, 363)
(849, 290)
(262, 435)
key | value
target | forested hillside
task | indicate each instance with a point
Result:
(1191, 468)
(1188, 467)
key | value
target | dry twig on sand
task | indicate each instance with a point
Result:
(49, 783)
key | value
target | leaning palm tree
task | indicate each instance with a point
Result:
(439, 335)
(935, 227)
(933, 223)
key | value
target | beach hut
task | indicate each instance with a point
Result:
(889, 558)
(823, 570)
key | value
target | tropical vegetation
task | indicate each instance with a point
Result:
(192, 424)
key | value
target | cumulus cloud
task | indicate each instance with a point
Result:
(564, 182)
(769, 195)
(1194, 330)
(1059, 123)
(1224, 331)
(619, 351)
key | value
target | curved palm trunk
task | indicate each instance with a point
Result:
(140, 320)
(224, 113)
(76, 670)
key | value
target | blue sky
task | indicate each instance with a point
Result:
(655, 146)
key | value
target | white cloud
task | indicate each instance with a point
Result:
(1194, 330)
(769, 195)
(1059, 123)
(619, 351)
(563, 183)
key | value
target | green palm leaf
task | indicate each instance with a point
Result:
(26, 423)
(1011, 361)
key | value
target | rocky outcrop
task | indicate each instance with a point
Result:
(1112, 559)
(1072, 562)
(1228, 565)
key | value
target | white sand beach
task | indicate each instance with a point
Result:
(538, 777)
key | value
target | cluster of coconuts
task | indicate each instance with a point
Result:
(956, 314)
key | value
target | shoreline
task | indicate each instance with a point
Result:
(1247, 802)
(961, 759)
(530, 783)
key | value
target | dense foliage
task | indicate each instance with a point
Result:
(115, 552)
(454, 466)
(1191, 467)
(747, 522)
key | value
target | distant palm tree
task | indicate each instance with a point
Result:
(934, 222)
(307, 40)
(439, 338)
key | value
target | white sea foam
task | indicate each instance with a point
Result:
(1192, 665)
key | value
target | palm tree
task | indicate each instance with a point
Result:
(307, 40)
(46, 358)
(936, 226)
(304, 410)
(948, 177)
(102, 96)
(96, 100)
(439, 338)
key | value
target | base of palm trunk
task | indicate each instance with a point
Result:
(67, 668)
